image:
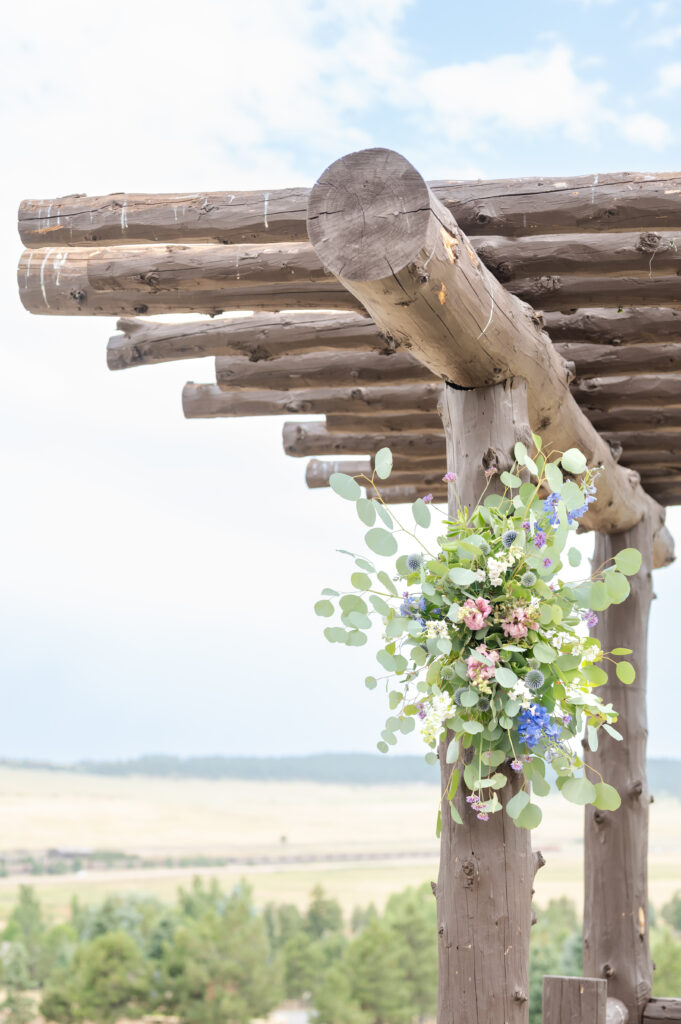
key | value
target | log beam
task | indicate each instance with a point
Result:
(614, 326)
(556, 292)
(318, 474)
(616, 925)
(511, 207)
(304, 439)
(662, 1009)
(591, 360)
(419, 279)
(261, 336)
(320, 370)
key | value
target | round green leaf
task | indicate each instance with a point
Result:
(396, 626)
(626, 673)
(356, 638)
(544, 653)
(371, 682)
(517, 804)
(598, 597)
(579, 791)
(324, 608)
(520, 453)
(366, 510)
(383, 463)
(595, 675)
(407, 725)
(382, 513)
(381, 606)
(529, 817)
(473, 727)
(360, 581)
(421, 513)
(573, 461)
(628, 561)
(615, 650)
(574, 557)
(359, 620)
(345, 486)
(469, 699)
(510, 479)
(386, 660)
(553, 476)
(505, 677)
(352, 603)
(607, 797)
(461, 576)
(617, 586)
(381, 541)
(387, 583)
(383, 747)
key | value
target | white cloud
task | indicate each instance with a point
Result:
(669, 78)
(531, 92)
(666, 37)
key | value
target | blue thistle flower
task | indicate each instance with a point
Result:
(534, 679)
(508, 538)
(484, 704)
(414, 562)
(528, 579)
(457, 695)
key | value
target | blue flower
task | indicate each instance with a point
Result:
(414, 562)
(551, 507)
(534, 723)
(528, 579)
(535, 679)
(508, 538)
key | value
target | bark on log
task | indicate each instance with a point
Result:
(574, 1000)
(553, 292)
(650, 421)
(484, 888)
(649, 390)
(378, 227)
(616, 945)
(516, 206)
(663, 1009)
(201, 401)
(318, 474)
(57, 282)
(631, 325)
(261, 336)
(320, 370)
(301, 439)
(406, 494)
(639, 254)
(607, 360)
(402, 422)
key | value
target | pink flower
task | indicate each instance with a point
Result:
(490, 472)
(449, 478)
(427, 498)
(478, 670)
(475, 611)
(517, 621)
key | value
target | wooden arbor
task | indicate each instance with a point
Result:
(597, 260)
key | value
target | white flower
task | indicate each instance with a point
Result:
(480, 575)
(437, 630)
(522, 693)
(441, 708)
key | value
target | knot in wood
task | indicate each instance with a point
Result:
(151, 278)
(141, 309)
(468, 871)
(649, 241)
(616, 450)
(519, 996)
(503, 272)
(636, 788)
(78, 295)
(433, 886)
(539, 860)
(599, 817)
(608, 971)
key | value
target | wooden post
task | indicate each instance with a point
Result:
(616, 842)
(484, 888)
(573, 1000)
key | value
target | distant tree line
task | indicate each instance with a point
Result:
(664, 774)
(212, 958)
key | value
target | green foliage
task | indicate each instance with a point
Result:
(487, 641)
(27, 927)
(324, 916)
(671, 912)
(17, 1007)
(665, 950)
(107, 979)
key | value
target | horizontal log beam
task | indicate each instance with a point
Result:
(422, 283)
(318, 473)
(647, 390)
(406, 494)
(261, 336)
(408, 422)
(304, 439)
(662, 1010)
(320, 370)
(208, 401)
(610, 360)
(650, 421)
(638, 254)
(515, 207)
(556, 292)
(57, 282)
(631, 325)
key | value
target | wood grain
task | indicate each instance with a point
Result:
(201, 401)
(663, 1009)
(573, 1000)
(320, 370)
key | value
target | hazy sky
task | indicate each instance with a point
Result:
(159, 575)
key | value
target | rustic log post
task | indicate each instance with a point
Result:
(484, 888)
(573, 1000)
(616, 842)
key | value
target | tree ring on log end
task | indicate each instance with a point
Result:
(379, 205)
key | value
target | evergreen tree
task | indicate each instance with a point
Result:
(671, 912)
(323, 915)
(375, 961)
(26, 925)
(665, 950)
(334, 1001)
(17, 1007)
(412, 915)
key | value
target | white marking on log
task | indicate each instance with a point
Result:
(59, 261)
(267, 196)
(28, 268)
(42, 276)
(560, 184)
(593, 189)
(231, 199)
(124, 216)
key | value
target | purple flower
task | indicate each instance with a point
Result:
(422, 710)
(516, 765)
(526, 526)
(539, 539)
(470, 798)
(449, 478)
(567, 719)
(547, 563)
(490, 472)
(483, 816)
(427, 498)
(590, 618)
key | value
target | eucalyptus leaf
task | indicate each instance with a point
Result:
(381, 541)
(366, 510)
(452, 751)
(421, 513)
(617, 586)
(383, 463)
(345, 486)
(628, 561)
(626, 673)
(381, 606)
(554, 476)
(607, 798)
(359, 620)
(461, 576)
(574, 557)
(517, 804)
(578, 791)
(520, 453)
(360, 581)
(387, 582)
(324, 608)
(573, 461)
(383, 514)
(371, 682)
(530, 817)
(473, 727)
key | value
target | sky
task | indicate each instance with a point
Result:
(159, 574)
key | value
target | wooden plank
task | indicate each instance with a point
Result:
(422, 283)
(317, 473)
(261, 336)
(201, 401)
(408, 422)
(303, 439)
(404, 494)
(556, 292)
(320, 370)
(649, 390)
(592, 360)
(56, 282)
(573, 1000)
(616, 927)
(663, 1009)
(513, 207)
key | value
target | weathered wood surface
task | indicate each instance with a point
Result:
(574, 1000)
(401, 422)
(422, 283)
(556, 292)
(57, 282)
(650, 421)
(301, 439)
(261, 336)
(406, 494)
(653, 390)
(320, 370)
(616, 926)
(639, 254)
(201, 401)
(517, 206)
(484, 887)
(614, 326)
(318, 474)
(663, 1009)
(592, 360)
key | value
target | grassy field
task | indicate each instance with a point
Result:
(170, 817)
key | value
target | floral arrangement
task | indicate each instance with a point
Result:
(484, 645)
